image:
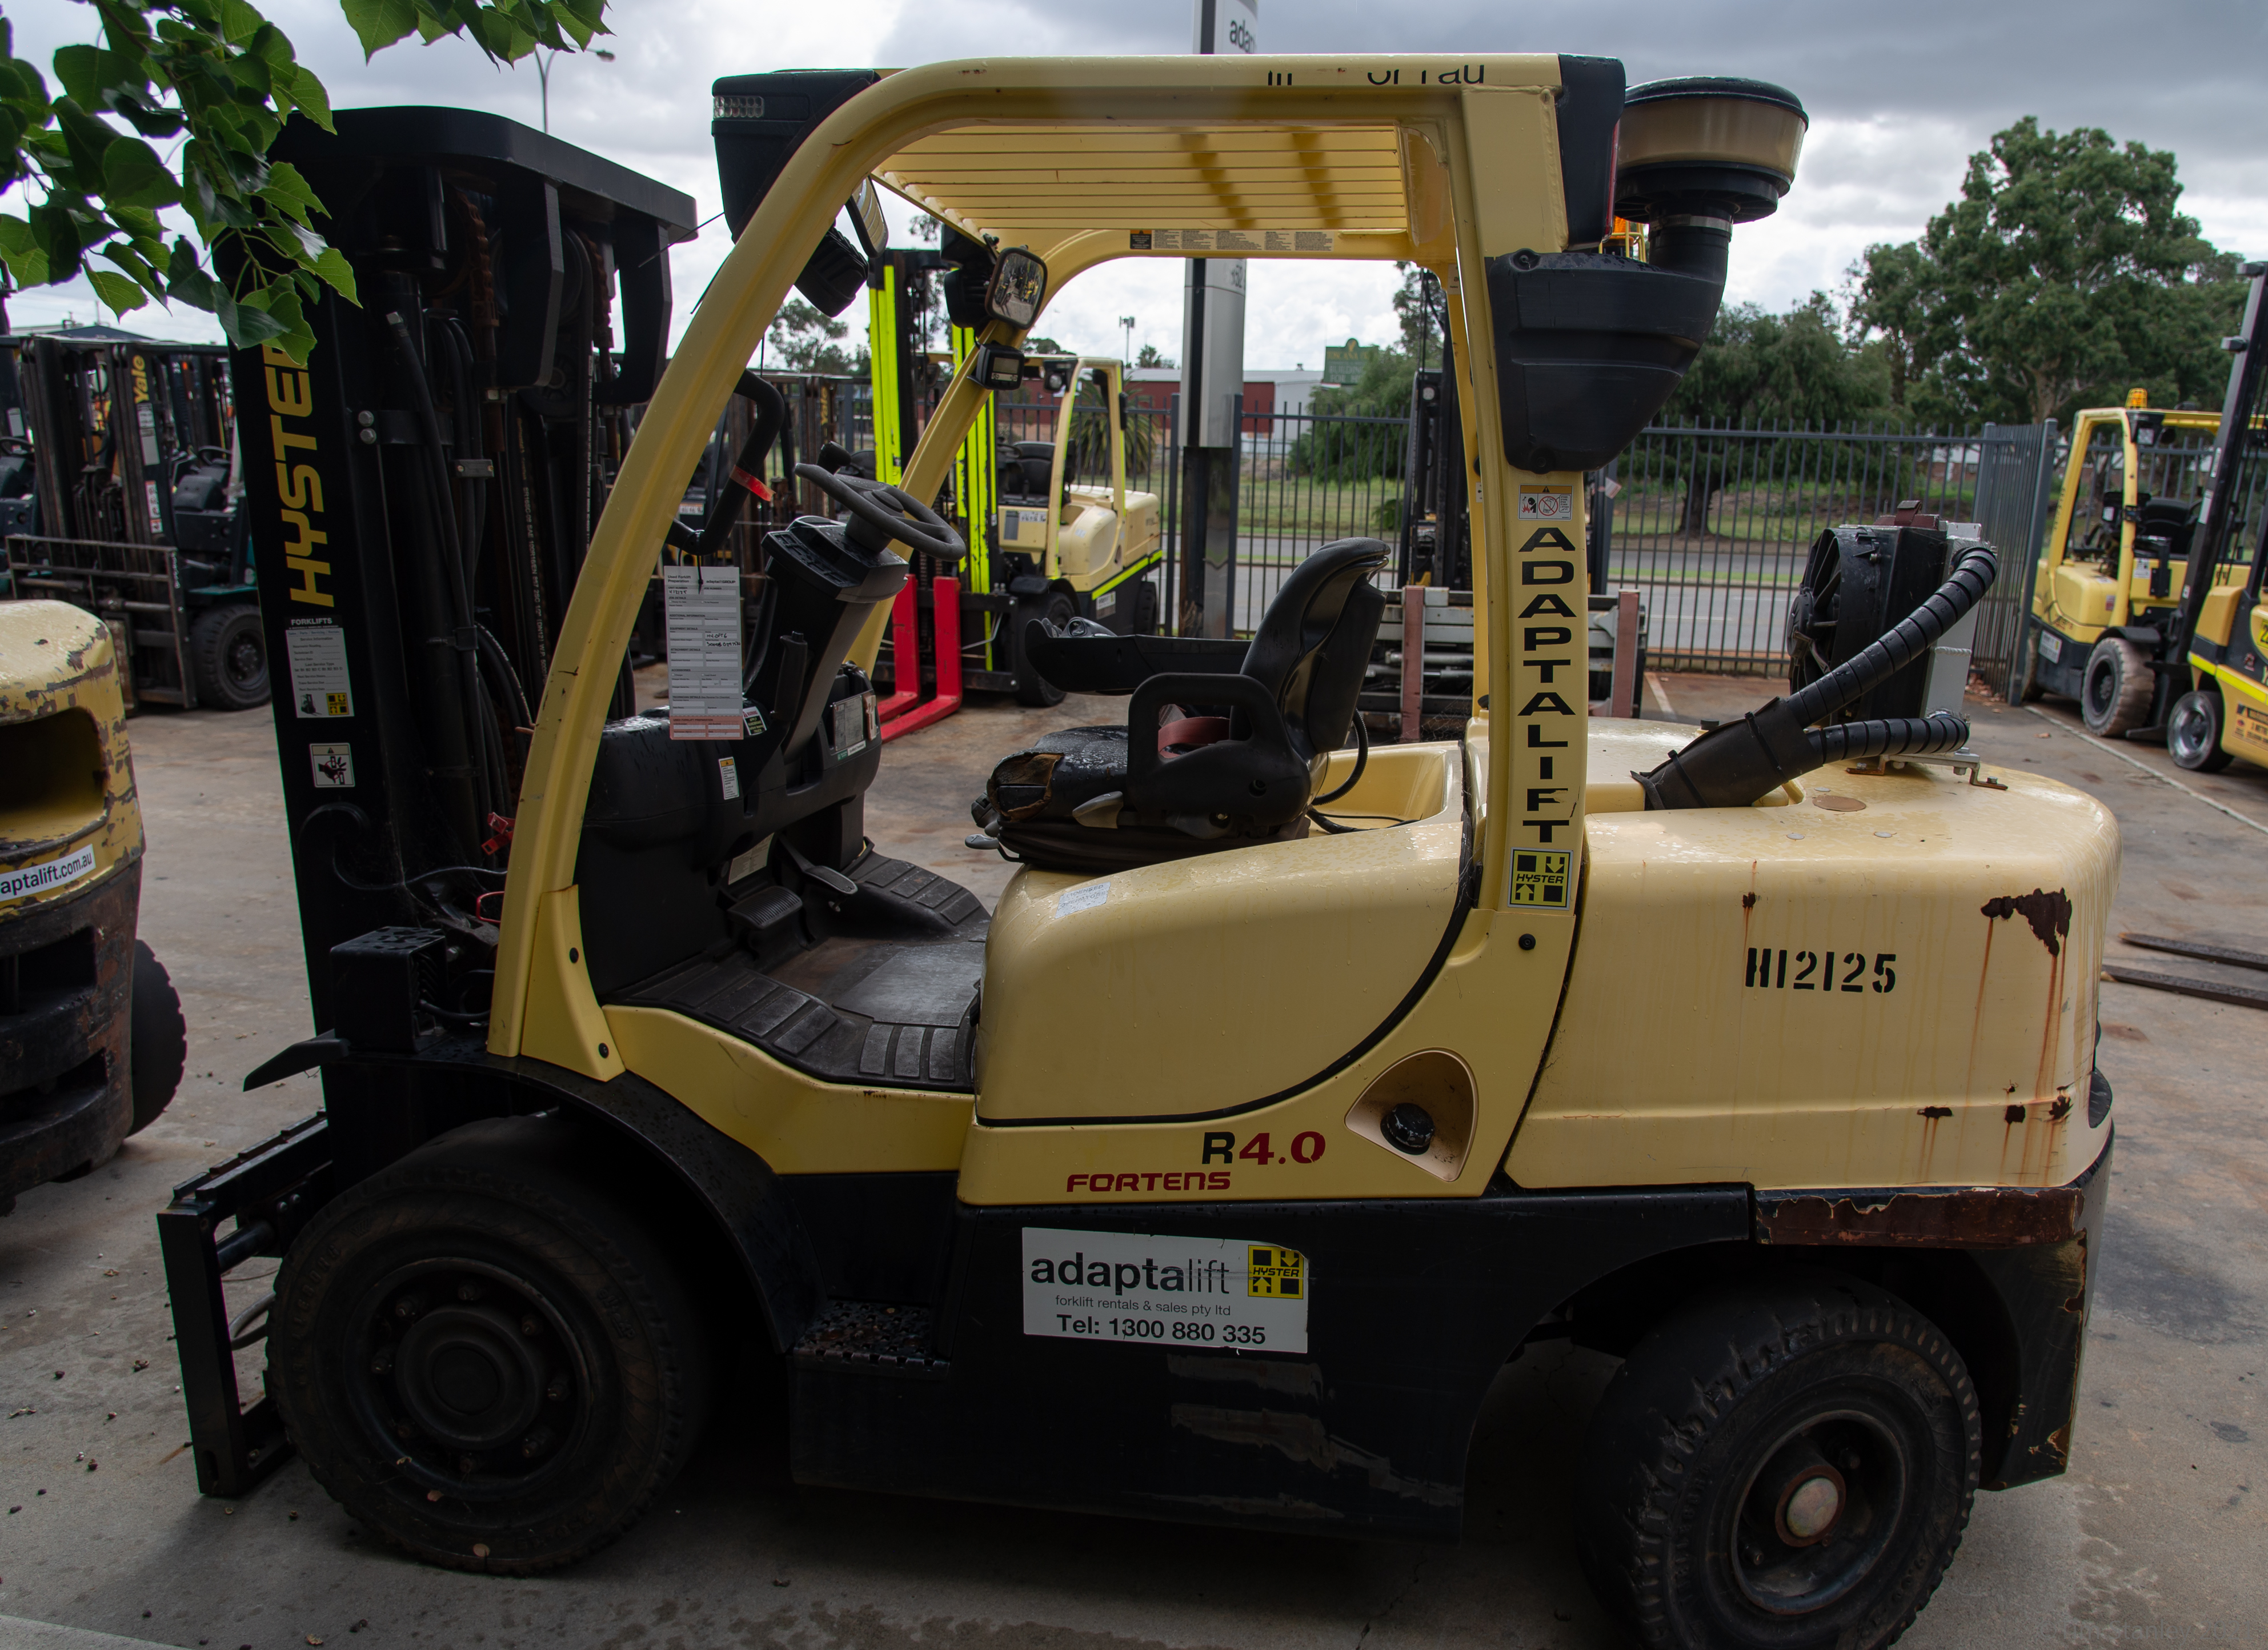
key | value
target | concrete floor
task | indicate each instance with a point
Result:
(2155, 1537)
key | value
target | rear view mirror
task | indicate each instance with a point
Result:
(1017, 288)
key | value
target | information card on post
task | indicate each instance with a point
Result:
(1178, 1292)
(702, 612)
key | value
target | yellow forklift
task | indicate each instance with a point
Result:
(91, 1039)
(1091, 544)
(2107, 598)
(2222, 632)
(1219, 1184)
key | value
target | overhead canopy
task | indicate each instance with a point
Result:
(1041, 182)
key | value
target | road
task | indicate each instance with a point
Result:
(2154, 1538)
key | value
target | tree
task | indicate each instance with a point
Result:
(2064, 276)
(802, 340)
(223, 79)
(1423, 313)
(1758, 370)
(1149, 357)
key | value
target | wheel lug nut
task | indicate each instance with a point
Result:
(408, 1306)
(382, 1364)
(537, 1442)
(558, 1389)
(530, 1326)
(470, 1291)
(468, 1464)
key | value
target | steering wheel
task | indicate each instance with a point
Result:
(880, 512)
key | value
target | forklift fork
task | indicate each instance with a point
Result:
(271, 1192)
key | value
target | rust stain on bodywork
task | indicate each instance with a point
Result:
(1968, 1217)
(2048, 914)
(1304, 1439)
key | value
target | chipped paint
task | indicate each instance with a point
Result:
(1305, 1439)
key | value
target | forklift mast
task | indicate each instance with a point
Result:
(422, 492)
(2239, 444)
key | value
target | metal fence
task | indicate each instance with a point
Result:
(1714, 524)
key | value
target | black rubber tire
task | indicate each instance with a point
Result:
(508, 1209)
(157, 1039)
(228, 654)
(2031, 692)
(2114, 694)
(2193, 731)
(1057, 608)
(1718, 1394)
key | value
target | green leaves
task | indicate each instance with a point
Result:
(220, 72)
(2064, 276)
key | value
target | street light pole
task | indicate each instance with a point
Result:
(543, 75)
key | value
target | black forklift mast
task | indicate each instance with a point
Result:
(422, 493)
(421, 496)
(2238, 442)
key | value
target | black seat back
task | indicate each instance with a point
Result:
(2172, 520)
(1312, 646)
(1025, 466)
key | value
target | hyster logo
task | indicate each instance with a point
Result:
(1186, 1276)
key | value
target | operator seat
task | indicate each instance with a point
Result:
(1025, 468)
(1221, 748)
(2170, 520)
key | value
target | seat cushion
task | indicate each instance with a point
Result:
(1029, 804)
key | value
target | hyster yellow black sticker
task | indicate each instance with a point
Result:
(1542, 877)
(1280, 1274)
(1180, 1292)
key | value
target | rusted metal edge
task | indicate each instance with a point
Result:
(2241, 996)
(1959, 1217)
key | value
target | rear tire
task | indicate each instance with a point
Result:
(484, 1357)
(2115, 695)
(1057, 607)
(228, 655)
(2193, 731)
(1787, 1468)
(157, 1039)
(2032, 693)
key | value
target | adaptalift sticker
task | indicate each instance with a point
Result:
(318, 657)
(1175, 1291)
(47, 875)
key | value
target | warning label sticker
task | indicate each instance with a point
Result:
(1543, 876)
(1546, 504)
(334, 766)
(1184, 1292)
(317, 657)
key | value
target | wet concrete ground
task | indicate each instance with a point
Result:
(2156, 1537)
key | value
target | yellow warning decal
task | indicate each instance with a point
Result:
(1542, 877)
(1278, 1273)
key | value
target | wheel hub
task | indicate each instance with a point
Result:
(469, 1378)
(1818, 1515)
(468, 1375)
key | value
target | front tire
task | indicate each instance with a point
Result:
(1779, 1469)
(157, 1039)
(2193, 731)
(484, 1357)
(2114, 694)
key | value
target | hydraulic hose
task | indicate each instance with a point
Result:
(1732, 765)
(1891, 736)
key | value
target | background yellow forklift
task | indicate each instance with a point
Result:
(2221, 632)
(1219, 1186)
(91, 1039)
(2108, 598)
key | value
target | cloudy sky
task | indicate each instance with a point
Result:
(1899, 96)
